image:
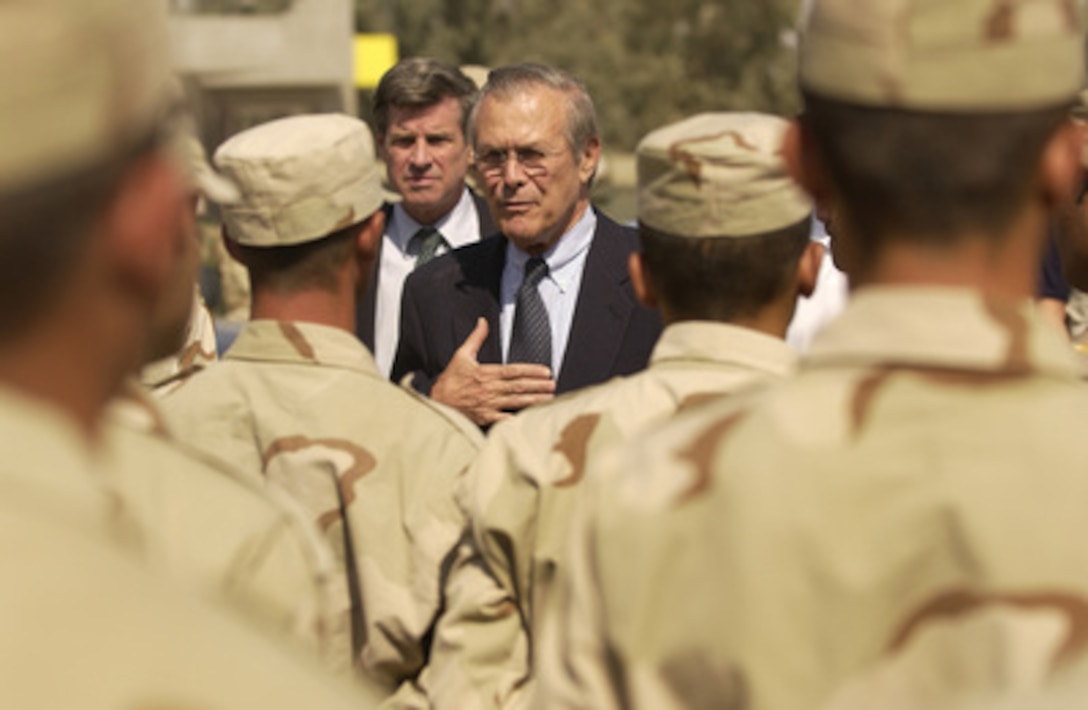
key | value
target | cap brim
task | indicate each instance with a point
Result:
(217, 188)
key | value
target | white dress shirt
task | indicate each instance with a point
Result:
(458, 228)
(826, 302)
(566, 261)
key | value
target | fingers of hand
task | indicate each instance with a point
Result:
(515, 402)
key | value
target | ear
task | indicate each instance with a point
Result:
(370, 236)
(1061, 167)
(147, 223)
(804, 165)
(808, 268)
(231, 245)
(588, 160)
(640, 281)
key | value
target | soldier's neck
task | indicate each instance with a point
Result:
(773, 320)
(318, 306)
(1006, 268)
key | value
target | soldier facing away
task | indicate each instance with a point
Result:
(298, 400)
(915, 493)
(725, 254)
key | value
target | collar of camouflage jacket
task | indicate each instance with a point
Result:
(301, 343)
(942, 328)
(698, 343)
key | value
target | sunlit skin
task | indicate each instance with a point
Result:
(170, 319)
(427, 157)
(532, 210)
(93, 334)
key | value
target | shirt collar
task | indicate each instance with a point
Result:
(301, 343)
(723, 344)
(457, 226)
(942, 328)
(564, 255)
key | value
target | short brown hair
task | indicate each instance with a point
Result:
(420, 82)
(930, 175)
(722, 278)
(293, 268)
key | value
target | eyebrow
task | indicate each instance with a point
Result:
(400, 133)
(532, 145)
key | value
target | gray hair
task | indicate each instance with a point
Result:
(420, 82)
(509, 81)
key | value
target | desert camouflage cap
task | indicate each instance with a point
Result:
(204, 178)
(944, 55)
(478, 73)
(1080, 107)
(80, 80)
(180, 126)
(718, 174)
(302, 178)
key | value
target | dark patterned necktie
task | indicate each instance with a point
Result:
(531, 338)
(426, 241)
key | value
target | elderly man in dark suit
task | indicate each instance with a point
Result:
(546, 306)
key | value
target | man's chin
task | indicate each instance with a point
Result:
(517, 231)
(530, 243)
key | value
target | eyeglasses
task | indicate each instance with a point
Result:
(532, 160)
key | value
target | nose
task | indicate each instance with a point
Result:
(420, 156)
(512, 173)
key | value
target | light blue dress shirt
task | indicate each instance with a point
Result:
(566, 261)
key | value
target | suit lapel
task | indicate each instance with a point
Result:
(603, 309)
(478, 289)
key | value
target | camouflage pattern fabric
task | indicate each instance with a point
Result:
(959, 55)
(807, 546)
(213, 530)
(85, 626)
(520, 492)
(304, 406)
(198, 351)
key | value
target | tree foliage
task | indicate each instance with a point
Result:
(646, 63)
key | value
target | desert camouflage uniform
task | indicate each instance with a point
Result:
(207, 526)
(917, 486)
(523, 485)
(303, 405)
(84, 626)
(198, 351)
(803, 544)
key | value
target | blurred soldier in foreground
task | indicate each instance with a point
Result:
(421, 110)
(922, 477)
(546, 306)
(297, 399)
(93, 216)
(725, 254)
(180, 348)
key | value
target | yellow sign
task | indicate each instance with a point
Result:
(374, 55)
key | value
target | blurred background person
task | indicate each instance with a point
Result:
(421, 109)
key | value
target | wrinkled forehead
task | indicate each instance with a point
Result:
(530, 117)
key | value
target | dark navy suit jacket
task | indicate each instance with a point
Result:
(364, 315)
(611, 333)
